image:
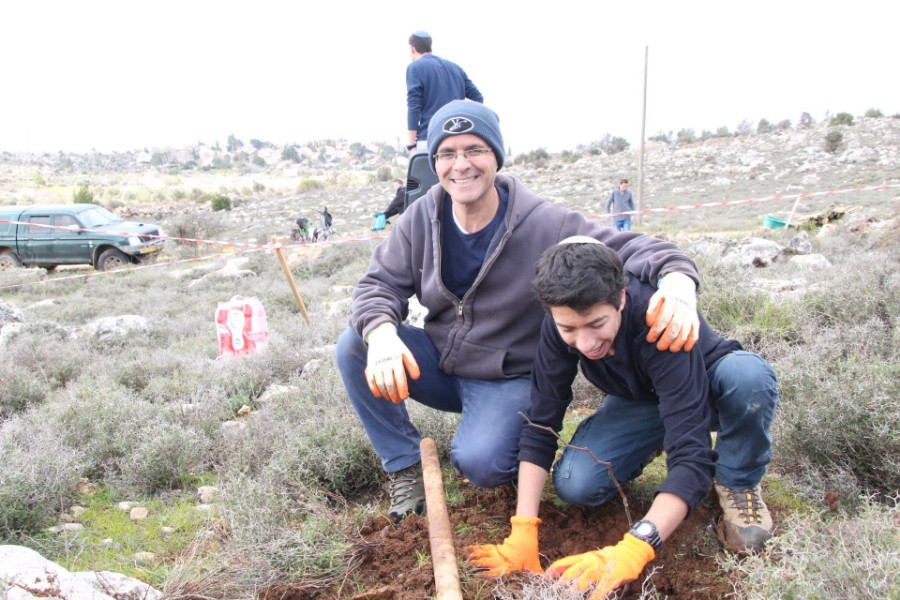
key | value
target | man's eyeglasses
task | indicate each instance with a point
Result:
(469, 154)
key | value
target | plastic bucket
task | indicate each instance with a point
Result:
(771, 222)
(241, 326)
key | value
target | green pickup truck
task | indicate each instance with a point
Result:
(72, 234)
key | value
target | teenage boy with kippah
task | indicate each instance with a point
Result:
(466, 251)
(596, 323)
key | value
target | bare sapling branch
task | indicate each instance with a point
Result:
(608, 465)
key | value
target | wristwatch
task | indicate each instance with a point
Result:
(411, 146)
(646, 531)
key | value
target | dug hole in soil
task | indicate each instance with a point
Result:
(393, 562)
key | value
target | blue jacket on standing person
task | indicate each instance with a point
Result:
(431, 82)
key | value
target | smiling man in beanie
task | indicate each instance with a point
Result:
(466, 250)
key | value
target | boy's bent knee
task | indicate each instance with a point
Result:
(482, 471)
(581, 491)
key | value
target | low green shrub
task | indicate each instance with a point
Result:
(839, 408)
(841, 118)
(123, 440)
(83, 195)
(162, 454)
(44, 353)
(309, 185)
(819, 556)
(839, 389)
(19, 389)
(39, 474)
(751, 317)
(833, 141)
(220, 202)
(274, 539)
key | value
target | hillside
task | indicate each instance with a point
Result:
(256, 478)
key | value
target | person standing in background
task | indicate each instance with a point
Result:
(621, 201)
(398, 204)
(396, 207)
(431, 82)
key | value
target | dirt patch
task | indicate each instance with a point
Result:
(393, 562)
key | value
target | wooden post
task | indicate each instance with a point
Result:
(443, 555)
(639, 218)
(793, 210)
(290, 277)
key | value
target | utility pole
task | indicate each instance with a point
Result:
(640, 190)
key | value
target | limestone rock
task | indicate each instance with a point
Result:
(207, 493)
(28, 575)
(138, 513)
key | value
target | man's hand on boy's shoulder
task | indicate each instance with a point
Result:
(672, 314)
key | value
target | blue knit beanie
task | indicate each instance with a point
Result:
(465, 116)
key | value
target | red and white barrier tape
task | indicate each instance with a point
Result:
(249, 247)
(883, 186)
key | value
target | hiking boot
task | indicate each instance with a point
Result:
(746, 523)
(407, 493)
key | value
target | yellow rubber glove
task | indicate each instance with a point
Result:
(387, 363)
(672, 314)
(607, 568)
(518, 552)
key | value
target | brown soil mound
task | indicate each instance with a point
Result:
(393, 562)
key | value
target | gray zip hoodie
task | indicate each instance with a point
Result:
(493, 331)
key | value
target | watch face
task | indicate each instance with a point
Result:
(643, 528)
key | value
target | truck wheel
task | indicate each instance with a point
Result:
(112, 259)
(9, 261)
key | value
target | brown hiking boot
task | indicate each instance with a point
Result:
(746, 523)
(407, 493)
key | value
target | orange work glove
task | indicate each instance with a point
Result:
(672, 314)
(607, 568)
(387, 363)
(518, 552)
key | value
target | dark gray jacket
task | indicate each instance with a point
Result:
(493, 331)
(620, 202)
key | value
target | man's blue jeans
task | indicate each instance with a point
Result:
(744, 394)
(485, 447)
(622, 223)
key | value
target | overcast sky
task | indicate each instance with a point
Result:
(127, 74)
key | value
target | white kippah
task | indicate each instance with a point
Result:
(580, 239)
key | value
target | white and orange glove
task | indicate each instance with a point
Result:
(387, 363)
(606, 569)
(518, 552)
(672, 314)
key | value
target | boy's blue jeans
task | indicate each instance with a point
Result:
(485, 447)
(744, 394)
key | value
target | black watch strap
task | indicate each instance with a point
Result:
(646, 531)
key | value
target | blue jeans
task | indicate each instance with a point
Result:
(628, 434)
(485, 446)
(622, 223)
